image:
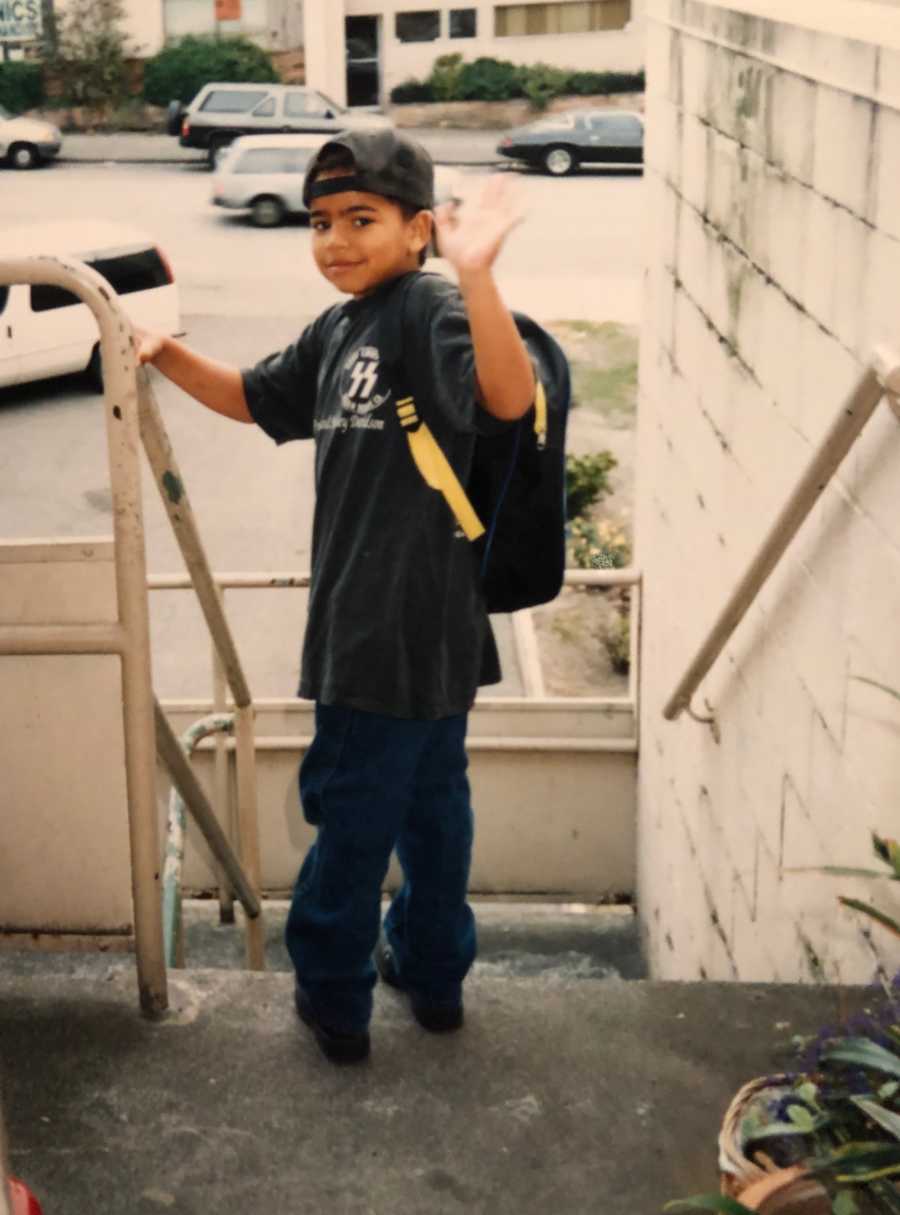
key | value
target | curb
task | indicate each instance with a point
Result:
(200, 162)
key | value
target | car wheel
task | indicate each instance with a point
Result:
(267, 212)
(23, 156)
(218, 146)
(174, 115)
(559, 162)
(94, 369)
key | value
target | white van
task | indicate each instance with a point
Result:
(46, 331)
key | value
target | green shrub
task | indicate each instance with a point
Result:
(586, 84)
(541, 83)
(444, 78)
(587, 481)
(618, 645)
(411, 91)
(180, 71)
(21, 86)
(488, 79)
(598, 546)
(84, 52)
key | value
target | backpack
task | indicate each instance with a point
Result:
(513, 507)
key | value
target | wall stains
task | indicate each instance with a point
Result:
(173, 487)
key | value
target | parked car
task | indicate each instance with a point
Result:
(559, 143)
(27, 142)
(263, 174)
(46, 330)
(221, 112)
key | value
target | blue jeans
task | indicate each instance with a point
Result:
(372, 783)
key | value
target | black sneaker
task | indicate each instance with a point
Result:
(437, 1016)
(336, 1047)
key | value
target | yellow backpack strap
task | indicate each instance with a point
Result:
(540, 413)
(435, 469)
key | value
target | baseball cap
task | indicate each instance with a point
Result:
(384, 162)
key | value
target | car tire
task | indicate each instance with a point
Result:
(559, 161)
(23, 156)
(94, 370)
(218, 144)
(267, 212)
(174, 115)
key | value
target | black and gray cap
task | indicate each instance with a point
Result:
(384, 162)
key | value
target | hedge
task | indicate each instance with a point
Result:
(21, 86)
(487, 79)
(180, 71)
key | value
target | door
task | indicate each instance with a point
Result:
(9, 360)
(615, 139)
(306, 111)
(363, 66)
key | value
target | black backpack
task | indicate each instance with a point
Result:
(514, 505)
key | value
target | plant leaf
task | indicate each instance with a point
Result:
(864, 1053)
(867, 909)
(709, 1202)
(889, 1089)
(844, 1204)
(885, 1118)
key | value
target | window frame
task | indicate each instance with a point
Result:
(435, 12)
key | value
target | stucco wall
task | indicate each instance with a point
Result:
(773, 255)
(611, 50)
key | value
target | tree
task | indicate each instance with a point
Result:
(85, 52)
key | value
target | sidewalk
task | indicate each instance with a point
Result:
(128, 147)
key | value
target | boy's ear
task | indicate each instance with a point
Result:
(421, 227)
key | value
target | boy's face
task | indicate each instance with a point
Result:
(361, 240)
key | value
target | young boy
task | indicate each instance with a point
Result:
(397, 640)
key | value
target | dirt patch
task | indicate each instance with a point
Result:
(582, 634)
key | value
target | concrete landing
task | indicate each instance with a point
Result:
(560, 1096)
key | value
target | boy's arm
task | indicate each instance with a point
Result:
(216, 385)
(470, 238)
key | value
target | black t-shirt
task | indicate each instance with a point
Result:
(397, 622)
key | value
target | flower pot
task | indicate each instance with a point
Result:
(759, 1184)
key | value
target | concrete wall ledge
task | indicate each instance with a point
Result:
(859, 20)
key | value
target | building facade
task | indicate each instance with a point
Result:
(356, 51)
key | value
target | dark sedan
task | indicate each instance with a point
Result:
(559, 143)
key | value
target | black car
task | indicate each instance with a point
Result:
(559, 143)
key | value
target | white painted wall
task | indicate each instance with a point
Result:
(773, 263)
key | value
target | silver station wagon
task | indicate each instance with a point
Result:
(263, 174)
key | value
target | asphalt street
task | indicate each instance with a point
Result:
(245, 292)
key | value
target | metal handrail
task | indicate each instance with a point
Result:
(880, 379)
(130, 636)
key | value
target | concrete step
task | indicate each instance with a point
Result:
(571, 941)
(560, 1095)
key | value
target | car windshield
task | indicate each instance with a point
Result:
(4, 114)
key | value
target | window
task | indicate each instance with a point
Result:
(515, 20)
(295, 105)
(424, 26)
(233, 101)
(4, 296)
(266, 110)
(128, 272)
(274, 160)
(463, 23)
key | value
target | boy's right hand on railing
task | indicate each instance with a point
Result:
(147, 346)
